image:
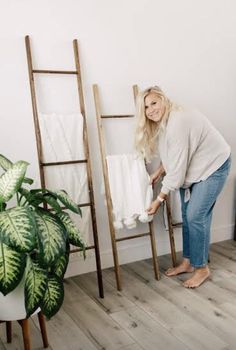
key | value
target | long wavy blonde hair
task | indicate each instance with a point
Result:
(147, 131)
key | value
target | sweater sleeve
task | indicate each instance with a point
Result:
(177, 156)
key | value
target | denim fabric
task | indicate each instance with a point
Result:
(197, 215)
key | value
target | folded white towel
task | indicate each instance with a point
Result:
(131, 192)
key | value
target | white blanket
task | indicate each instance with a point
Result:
(131, 192)
(62, 140)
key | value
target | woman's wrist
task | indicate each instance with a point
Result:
(161, 197)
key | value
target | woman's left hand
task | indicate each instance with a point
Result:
(155, 205)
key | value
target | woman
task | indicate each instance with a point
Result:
(195, 159)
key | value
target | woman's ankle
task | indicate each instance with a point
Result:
(202, 268)
(186, 261)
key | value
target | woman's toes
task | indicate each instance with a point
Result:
(170, 272)
(182, 268)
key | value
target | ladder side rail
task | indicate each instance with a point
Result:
(88, 165)
(35, 111)
(107, 187)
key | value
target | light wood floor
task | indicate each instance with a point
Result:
(147, 314)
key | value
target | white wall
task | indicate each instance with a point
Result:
(187, 47)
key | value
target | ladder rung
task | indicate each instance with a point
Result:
(117, 116)
(65, 162)
(48, 71)
(80, 250)
(131, 237)
(85, 205)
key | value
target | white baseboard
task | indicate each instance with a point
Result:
(140, 251)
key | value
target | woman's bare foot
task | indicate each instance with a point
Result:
(200, 275)
(182, 268)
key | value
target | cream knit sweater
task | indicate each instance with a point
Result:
(190, 148)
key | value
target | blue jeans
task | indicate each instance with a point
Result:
(197, 215)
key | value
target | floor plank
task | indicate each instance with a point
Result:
(132, 347)
(145, 330)
(113, 301)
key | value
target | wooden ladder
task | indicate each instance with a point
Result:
(87, 161)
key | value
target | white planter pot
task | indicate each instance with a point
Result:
(12, 306)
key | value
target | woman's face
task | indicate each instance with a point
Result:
(154, 108)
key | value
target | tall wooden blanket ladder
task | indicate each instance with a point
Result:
(42, 164)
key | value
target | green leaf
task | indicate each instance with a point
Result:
(37, 190)
(61, 264)
(5, 163)
(50, 199)
(27, 180)
(35, 286)
(25, 193)
(18, 229)
(12, 266)
(72, 231)
(36, 199)
(11, 181)
(67, 201)
(53, 297)
(52, 237)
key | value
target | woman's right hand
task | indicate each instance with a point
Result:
(155, 177)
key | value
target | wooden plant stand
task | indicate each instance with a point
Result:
(26, 331)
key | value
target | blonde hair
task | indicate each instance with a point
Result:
(147, 131)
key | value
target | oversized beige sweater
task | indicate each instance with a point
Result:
(190, 148)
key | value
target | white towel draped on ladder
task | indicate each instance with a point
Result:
(62, 140)
(131, 192)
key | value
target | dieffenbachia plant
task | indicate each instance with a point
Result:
(35, 236)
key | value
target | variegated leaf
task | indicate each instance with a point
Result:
(18, 229)
(49, 199)
(12, 266)
(5, 163)
(59, 268)
(11, 181)
(67, 201)
(53, 297)
(52, 237)
(35, 286)
(72, 231)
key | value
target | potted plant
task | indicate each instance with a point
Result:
(35, 235)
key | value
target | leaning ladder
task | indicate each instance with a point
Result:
(115, 240)
(42, 164)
